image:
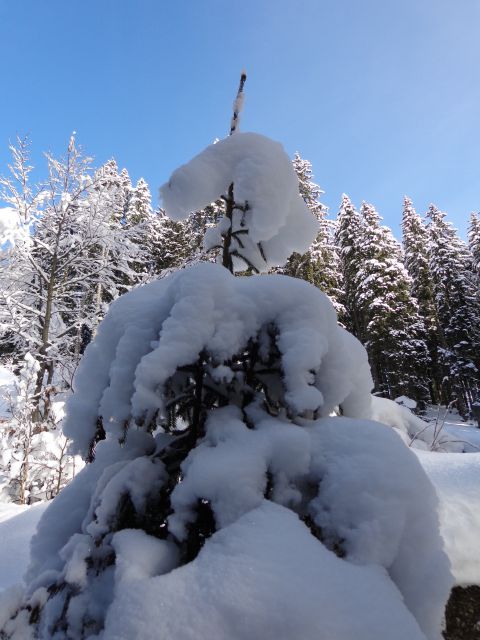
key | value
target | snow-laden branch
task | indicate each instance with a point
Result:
(269, 218)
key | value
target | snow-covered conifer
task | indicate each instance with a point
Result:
(457, 308)
(415, 248)
(216, 469)
(320, 264)
(348, 241)
(204, 407)
(249, 235)
(139, 206)
(474, 240)
(170, 243)
(394, 332)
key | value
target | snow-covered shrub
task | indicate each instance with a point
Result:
(35, 463)
(222, 499)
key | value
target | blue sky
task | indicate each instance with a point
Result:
(382, 96)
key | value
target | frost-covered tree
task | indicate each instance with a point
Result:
(474, 240)
(170, 243)
(34, 461)
(204, 404)
(416, 260)
(139, 205)
(50, 282)
(348, 241)
(70, 257)
(320, 264)
(457, 308)
(393, 330)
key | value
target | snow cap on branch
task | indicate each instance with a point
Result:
(270, 219)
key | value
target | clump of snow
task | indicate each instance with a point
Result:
(272, 213)
(7, 391)
(153, 330)
(457, 480)
(10, 227)
(406, 402)
(264, 577)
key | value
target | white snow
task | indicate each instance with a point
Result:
(428, 434)
(152, 330)
(9, 226)
(264, 178)
(263, 577)
(456, 478)
(17, 525)
(7, 390)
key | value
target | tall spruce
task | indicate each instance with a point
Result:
(394, 334)
(457, 309)
(474, 241)
(348, 241)
(416, 260)
(320, 264)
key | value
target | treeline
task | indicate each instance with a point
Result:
(85, 235)
(415, 306)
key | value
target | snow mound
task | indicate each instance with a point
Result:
(265, 187)
(418, 433)
(262, 574)
(457, 481)
(374, 500)
(153, 330)
(263, 577)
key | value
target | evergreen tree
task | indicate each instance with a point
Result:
(415, 246)
(393, 331)
(205, 413)
(474, 241)
(348, 240)
(170, 243)
(139, 205)
(320, 264)
(457, 308)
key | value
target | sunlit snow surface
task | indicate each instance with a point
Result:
(456, 478)
(263, 577)
(17, 525)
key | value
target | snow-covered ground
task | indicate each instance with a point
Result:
(17, 525)
(456, 478)
(450, 425)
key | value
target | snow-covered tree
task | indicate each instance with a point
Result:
(393, 330)
(416, 260)
(204, 403)
(348, 241)
(474, 240)
(72, 256)
(457, 308)
(170, 243)
(320, 264)
(34, 461)
(139, 206)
